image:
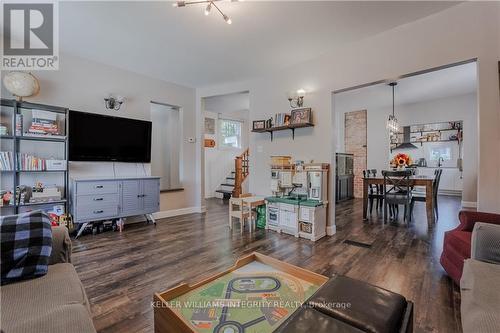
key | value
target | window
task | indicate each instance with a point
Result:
(440, 152)
(166, 161)
(229, 133)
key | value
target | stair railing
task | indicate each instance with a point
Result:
(241, 172)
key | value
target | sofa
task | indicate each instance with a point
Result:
(55, 302)
(457, 242)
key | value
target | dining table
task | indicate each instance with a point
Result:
(418, 180)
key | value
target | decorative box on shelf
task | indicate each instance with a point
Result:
(54, 165)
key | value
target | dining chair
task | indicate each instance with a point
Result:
(397, 191)
(435, 187)
(374, 191)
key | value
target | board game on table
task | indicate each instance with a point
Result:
(255, 295)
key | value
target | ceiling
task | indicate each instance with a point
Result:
(448, 82)
(181, 45)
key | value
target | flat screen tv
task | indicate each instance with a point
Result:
(94, 137)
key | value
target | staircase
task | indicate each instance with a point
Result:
(227, 188)
(233, 183)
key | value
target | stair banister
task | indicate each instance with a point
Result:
(241, 172)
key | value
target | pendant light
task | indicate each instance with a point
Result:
(392, 122)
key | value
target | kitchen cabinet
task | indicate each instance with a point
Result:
(451, 179)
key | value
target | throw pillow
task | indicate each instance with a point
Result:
(26, 245)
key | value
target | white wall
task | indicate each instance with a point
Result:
(453, 108)
(82, 85)
(466, 31)
(219, 162)
(166, 137)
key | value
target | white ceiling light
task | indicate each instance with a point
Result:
(209, 3)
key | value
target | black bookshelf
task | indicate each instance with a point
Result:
(17, 109)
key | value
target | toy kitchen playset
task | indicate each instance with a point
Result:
(299, 202)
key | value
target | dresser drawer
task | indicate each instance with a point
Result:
(98, 199)
(96, 212)
(97, 187)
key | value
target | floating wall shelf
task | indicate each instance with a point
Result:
(291, 127)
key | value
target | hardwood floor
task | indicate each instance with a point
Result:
(121, 271)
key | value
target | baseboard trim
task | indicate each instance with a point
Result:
(331, 230)
(469, 204)
(177, 212)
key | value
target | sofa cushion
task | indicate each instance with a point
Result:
(307, 319)
(34, 302)
(26, 246)
(370, 308)
(460, 241)
(68, 318)
(480, 294)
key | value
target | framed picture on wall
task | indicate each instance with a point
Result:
(210, 126)
(259, 124)
(301, 116)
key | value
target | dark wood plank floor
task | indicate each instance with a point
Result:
(121, 271)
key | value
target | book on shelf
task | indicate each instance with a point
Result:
(44, 135)
(43, 123)
(6, 161)
(26, 162)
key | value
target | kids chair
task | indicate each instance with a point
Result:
(238, 210)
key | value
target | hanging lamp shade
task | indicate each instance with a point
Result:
(392, 122)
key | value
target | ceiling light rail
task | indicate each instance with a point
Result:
(209, 3)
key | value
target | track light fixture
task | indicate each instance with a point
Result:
(209, 3)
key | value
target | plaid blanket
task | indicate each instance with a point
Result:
(26, 245)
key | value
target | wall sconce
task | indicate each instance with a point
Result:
(113, 103)
(296, 98)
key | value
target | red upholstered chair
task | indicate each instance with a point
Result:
(457, 242)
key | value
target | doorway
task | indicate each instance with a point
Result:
(226, 136)
(436, 113)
